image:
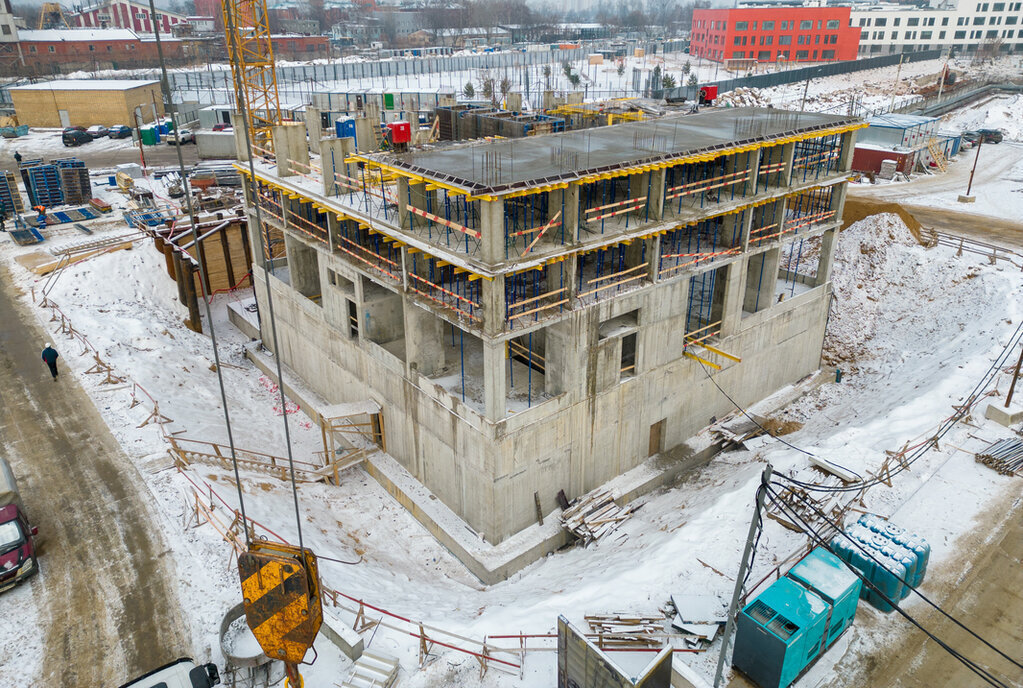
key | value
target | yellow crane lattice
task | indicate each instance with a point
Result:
(250, 49)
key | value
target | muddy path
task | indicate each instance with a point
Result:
(106, 596)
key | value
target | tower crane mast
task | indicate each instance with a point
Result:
(250, 51)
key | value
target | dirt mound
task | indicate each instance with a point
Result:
(857, 209)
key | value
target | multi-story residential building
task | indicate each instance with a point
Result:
(123, 14)
(966, 27)
(546, 314)
(770, 34)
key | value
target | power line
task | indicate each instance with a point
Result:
(809, 530)
(823, 516)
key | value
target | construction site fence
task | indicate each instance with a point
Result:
(793, 76)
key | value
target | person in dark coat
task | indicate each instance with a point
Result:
(50, 355)
(17, 157)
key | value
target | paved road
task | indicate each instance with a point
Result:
(106, 596)
(98, 156)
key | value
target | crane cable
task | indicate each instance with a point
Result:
(242, 107)
(168, 97)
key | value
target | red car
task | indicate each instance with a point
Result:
(17, 536)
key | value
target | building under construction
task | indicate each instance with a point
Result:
(544, 314)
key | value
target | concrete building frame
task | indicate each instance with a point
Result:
(533, 318)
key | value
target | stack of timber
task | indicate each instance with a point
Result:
(593, 516)
(805, 506)
(627, 630)
(734, 431)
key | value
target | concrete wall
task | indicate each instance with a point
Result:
(595, 429)
(216, 145)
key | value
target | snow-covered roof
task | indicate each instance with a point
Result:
(89, 35)
(86, 85)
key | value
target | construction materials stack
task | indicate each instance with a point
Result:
(890, 557)
(786, 628)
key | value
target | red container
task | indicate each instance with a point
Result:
(401, 132)
(708, 94)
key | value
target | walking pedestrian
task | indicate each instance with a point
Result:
(17, 157)
(50, 355)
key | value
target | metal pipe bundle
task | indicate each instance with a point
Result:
(1005, 456)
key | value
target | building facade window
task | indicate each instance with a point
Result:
(741, 26)
(925, 35)
(913, 21)
(805, 25)
(802, 54)
(978, 21)
(883, 21)
(764, 55)
(828, 55)
(784, 40)
(767, 26)
(833, 24)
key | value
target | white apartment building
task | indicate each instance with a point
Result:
(964, 26)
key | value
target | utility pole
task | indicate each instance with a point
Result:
(733, 608)
(895, 86)
(1015, 376)
(969, 186)
(802, 105)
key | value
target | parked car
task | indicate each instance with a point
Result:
(97, 131)
(67, 129)
(75, 138)
(119, 131)
(971, 136)
(182, 673)
(181, 136)
(17, 537)
(222, 127)
(990, 135)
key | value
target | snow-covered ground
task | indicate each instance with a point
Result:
(1003, 112)
(912, 329)
(48, 143)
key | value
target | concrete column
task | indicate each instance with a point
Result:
(313, 127)
(566, 357)
(762, 275)
(333, 231)
(366, 135)
(656, 200)
(495, 384)
(848, 148)
(290, 147)
(747, 227)
(239, 138)
(403, 189)
(788, 155)
(735, 288)
(332, 159)
(828, 241)
(255, 240)
(653, 270)
(754, 167)
(571, 216)
(492, 229)
(424, 332)
(838, 195)
(571, 279)
(493, 306)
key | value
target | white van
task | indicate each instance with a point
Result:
(182, 673)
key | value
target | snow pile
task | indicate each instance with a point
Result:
(891, 294)
(1002, 112)
(744, 97)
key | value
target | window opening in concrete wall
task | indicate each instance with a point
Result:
(797, 271)
(766, 223)
(369, 251)
(704, 184)
(441, 217)
(534, 294)
(771, 173)
(383, 318)
(353, 319)
(534, 222)
(713, 239)
(808, 211)
(446, 285)
(816, 158)
(461, 374)
(527, 370)
(706, 304)
(609, 271)
(761, 276)
(628, 367)
(611, 205)
(303, 270)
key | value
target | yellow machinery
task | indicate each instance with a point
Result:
(51, 16)
(250, 49)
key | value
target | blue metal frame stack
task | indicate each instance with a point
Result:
(44, 181)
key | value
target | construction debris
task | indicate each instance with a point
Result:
(807, 508)
(701, 616)
(594, 515)
(623, 629)
(1005, 456)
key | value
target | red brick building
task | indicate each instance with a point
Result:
(123, 14)
(52, 50)
(769, 34)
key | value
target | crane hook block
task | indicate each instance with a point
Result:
(281, 589)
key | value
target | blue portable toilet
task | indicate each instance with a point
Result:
(344, 127)
(792, 623)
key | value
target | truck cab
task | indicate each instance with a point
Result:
(17, 535)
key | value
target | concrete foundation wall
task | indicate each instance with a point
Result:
(595, 429)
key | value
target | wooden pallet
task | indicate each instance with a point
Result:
(594, 516)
